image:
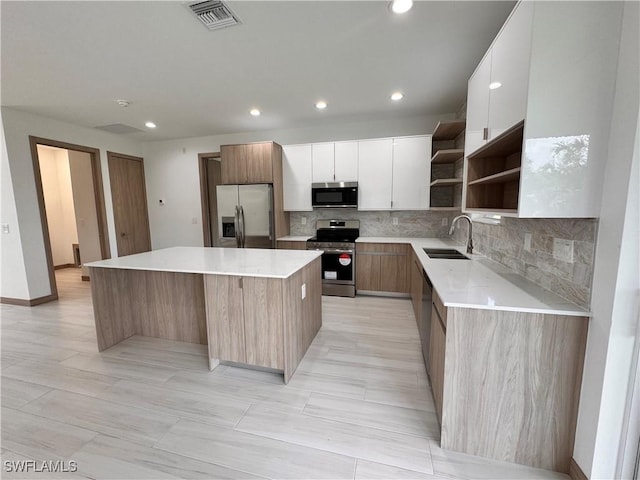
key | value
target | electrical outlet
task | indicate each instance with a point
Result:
(303, 220)
(395, 220)
(194, 220)
(527, 242)
(304, 291)
(445, 222)
(563, 250)
(5, 228)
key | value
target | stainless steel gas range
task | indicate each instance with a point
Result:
(336, 239)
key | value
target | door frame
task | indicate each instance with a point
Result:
(204, 196)
(98, 190)
(110, 156)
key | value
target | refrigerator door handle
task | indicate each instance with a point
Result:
(236, 224)
(242, 237)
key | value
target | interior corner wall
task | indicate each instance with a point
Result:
(28, 248)
(13, 275)
(613, 331)
(172, 174)
(85, 208)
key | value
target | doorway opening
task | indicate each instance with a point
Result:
(210, 177)
(70, 195)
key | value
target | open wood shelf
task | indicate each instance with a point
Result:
(447, 156)
(448, 130)
(442, 182)
(493, 173)
(506, 176)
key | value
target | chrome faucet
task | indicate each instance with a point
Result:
(470, 237)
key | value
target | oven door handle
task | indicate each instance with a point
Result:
(336, 250)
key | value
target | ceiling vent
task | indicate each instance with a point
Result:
(214, 14)
(118, 128)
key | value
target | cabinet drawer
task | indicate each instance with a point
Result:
(442, 310)
(382, 248)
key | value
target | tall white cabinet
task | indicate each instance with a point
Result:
(411, 173)
(375, 170)
(546, 128)
(296, 177)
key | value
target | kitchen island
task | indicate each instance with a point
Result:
(252, 307)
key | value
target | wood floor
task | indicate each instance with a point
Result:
(359, 406)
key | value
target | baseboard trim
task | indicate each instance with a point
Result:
(64, 265)
(85, 278)
(575, 472)
(28, 303)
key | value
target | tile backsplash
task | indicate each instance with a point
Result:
(379, 224)
(505, 243)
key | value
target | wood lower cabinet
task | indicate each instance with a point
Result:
(261, 321)
(511, 384)
(416, 286)
(249, 325)
(437, 344)
(382, 267)
(291, 245)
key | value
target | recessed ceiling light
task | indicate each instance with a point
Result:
(321, 105)
(255, 112)
(494, 85)
(401, 6)
(150, 125)
(396, 96)
(123, 103)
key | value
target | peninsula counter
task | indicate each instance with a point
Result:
(254, 307)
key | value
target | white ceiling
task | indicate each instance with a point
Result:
(72, 60)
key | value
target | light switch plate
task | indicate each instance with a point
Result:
(304, 291)
(5, 228)
(445, 221)
(194, 220)
(303, 220)
(395, 220)
(563, 250)
(527, 242)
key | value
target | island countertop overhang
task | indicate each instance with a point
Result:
(246, 262)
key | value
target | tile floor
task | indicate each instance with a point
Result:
(359, 406)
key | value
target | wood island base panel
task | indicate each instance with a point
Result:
(259, 321)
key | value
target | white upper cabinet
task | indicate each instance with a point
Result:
(510, 55)
(549, 121)
(492, 109)
(375, 167)
(296, 173)
(411, 173)
(346, 161)
(323, 161)
(478, 106)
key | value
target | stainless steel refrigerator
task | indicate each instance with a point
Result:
(245, 216)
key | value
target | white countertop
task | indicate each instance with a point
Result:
(482, 283)
(294, 238)
(248, 262)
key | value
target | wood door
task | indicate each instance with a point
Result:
(368, 271)
(234, 164)
(263, 324)
(393, 273)
(214, 178)
(225, 317)
(259, 164)
(129, 198)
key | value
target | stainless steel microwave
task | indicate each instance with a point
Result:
(334, 195)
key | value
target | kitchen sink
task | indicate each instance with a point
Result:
(446, 253)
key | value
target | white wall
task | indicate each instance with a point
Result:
(85, 208)
(23, 254)
(13, 276)
(171, 168)
(613, 329)
(58, 201)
